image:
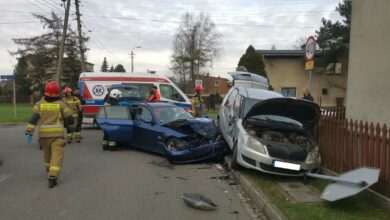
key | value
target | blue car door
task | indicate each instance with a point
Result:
(146, 131)
(116, 122)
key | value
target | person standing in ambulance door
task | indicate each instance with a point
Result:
(74, 104)
(154, 95)
(52, 115)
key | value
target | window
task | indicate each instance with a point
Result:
(117, 112)
(289, 91)
(144, 88)
(144, 114)
(216, 83)
(102, 113)
(229, 102)
(169, 114)
(334, 68)
(169, 92)
(324, 91)
(237, 105)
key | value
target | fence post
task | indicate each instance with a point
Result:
(371, 145)
(383, 151)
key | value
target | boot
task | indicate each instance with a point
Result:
(78, 137)
(69, 138)
(52, 182)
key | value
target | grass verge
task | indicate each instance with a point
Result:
(351, 208)
(23, 113)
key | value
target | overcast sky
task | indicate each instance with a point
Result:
(117, 26)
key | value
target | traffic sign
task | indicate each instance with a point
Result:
(8, 77)
(309, 65)
(310, 48)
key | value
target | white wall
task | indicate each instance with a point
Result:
(368, 94)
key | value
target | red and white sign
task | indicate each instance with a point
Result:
(310, 48)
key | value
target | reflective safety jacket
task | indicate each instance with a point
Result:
(74, 104)
(154, 97)
(197, 105)
(51, 116)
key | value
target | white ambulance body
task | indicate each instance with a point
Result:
(93, 88)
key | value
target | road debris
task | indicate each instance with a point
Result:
(163, 163)
(181, 178)
(222, 167)
(198, 201)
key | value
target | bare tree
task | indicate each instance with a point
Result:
(195, 46)
(299, 43)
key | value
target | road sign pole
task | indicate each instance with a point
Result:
(310, 49)
(309, 83)
(14, 98)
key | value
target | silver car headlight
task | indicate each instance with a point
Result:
(313, 155)
(254, 144)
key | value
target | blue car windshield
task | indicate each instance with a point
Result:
(168, 114)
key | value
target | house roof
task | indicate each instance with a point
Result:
(283, 53)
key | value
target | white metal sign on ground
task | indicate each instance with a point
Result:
(349, 183)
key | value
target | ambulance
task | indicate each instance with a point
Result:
(93, 88)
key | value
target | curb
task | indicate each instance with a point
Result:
(260, 199)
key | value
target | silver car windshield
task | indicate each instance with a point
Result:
(168, 114)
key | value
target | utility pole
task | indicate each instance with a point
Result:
(62, 45)
(132, 57)
(132, 61)
(77, 2)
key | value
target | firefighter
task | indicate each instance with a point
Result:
(51, 112)
(197, 102)
(112, 99)
(76, 93)
(74, 104)
(154, 95)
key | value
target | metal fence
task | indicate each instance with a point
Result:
(347, 144)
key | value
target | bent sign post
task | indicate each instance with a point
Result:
(310, 49)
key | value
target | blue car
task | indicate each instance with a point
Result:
(164, 129)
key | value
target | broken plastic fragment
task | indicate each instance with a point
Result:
(198, 201)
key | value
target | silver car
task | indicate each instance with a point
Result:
(269, 132)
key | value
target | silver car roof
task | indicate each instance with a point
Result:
(258, 93)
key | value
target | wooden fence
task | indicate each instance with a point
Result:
(347, 144)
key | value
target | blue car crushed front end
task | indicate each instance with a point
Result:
(201, 139)
(199, 154)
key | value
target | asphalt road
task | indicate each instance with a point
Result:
(94, 184)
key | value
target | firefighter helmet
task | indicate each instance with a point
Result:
(198, 88)
(115, 93)
(67, 90)
(52, 89)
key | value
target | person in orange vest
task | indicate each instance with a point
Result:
(75, 105)
(154, 95)
(53, 115)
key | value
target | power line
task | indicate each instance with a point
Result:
(19, 22)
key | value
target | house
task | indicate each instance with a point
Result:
(287, 75)
(369, 66)
(212, 84)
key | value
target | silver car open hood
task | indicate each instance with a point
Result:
(306, 112)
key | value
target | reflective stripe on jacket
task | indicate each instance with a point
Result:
(51, 117)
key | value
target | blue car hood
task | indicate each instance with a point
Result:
(202, 126)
